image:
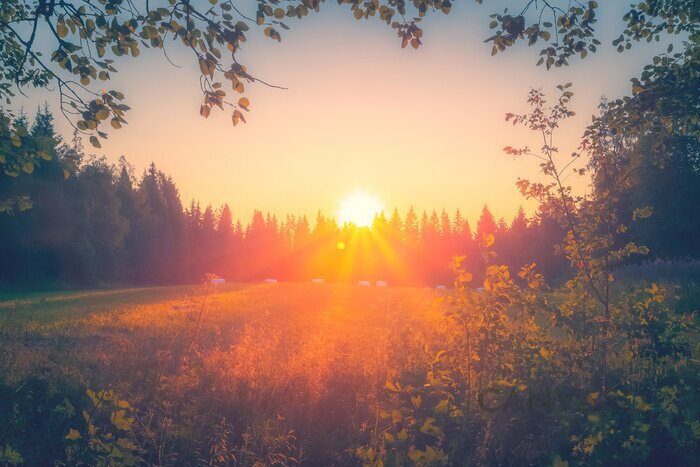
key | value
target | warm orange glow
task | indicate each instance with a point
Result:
(359, 208)
(341, 245)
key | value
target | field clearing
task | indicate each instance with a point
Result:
(309, 374)
(247, 301)
(267, 360)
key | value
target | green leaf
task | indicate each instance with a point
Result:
(10, 456)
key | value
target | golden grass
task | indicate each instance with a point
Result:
(301, 352)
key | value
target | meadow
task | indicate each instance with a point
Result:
(339, 374)
(272, 373)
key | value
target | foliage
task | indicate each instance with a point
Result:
(20, 155)
(107, 437)
(591, 375)
(10, 457)
(89, 38)
(657, 161)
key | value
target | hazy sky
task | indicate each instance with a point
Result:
(413, 127)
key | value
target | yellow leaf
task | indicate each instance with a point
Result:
(429, 429)
(120, 420)
(430, 454)
(442, 406)
(61, 29)
(416, 400)
(592, 398)
(465, 277)
(415, 455)
(204, 67)
(73, 434)
(237, 116)
(391, 387)
(123, 404)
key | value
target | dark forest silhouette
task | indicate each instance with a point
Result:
(93, 223)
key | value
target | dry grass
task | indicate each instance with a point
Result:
(306, 359)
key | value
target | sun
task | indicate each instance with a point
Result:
(359, 208)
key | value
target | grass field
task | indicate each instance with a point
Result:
(308, 374)
(274, 371)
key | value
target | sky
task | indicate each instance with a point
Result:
(422, 128)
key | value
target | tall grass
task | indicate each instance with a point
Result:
(285, 373)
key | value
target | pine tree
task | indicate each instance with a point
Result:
(486, 225)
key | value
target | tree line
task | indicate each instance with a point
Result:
(95, 223)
